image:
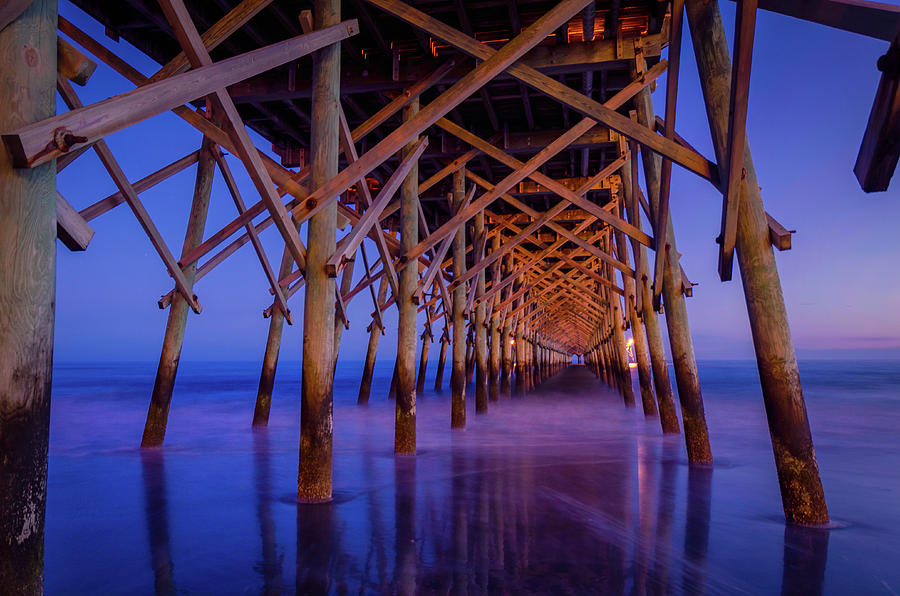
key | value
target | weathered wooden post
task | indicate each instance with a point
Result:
(458, 370)
(506, 357)
(161, 398)
(494, 321)
(520, 354)
(270, 358)
(405, 419)
(442, 358)
(795, 458)
(665, 398)
(641, 357)
(375, 330)
(314, 479)
(696, 436)
(423, 358)
(481, 355)
(27, 296)
(342, 288)
(619, 335)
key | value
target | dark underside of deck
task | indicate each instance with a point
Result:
(388, 55)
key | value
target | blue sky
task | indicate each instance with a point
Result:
(811, 92)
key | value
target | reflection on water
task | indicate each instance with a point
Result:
(555, 493)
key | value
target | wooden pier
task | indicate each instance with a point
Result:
(475, 163)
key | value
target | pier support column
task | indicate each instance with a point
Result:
(665, 398)
(458, 369)
(423, 359)
(641, 357)
(161, 398)
(270, 358)
(506, 356)
(693, 417)
(494, 322)
(481, 355)
(407, 303)
(624, 370)
(375, 331)
(314, 480)
(795, 459)
(520, 355)
(27, 296)
(344, 287)
(442, 359)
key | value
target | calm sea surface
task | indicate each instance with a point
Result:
(562, 491)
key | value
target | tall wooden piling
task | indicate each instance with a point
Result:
(665, 398)
(407, 303)
(423, 359)
(687, 377)
(442, 359)
(641, 357)
(619, 336)
(27, 299)
(795, 459)
(481, 355)
(314, 479)
(506, 357)
(343, 288)
(458, 365)
(494, 323)
(375, 330)
(161, 398)
(270, 357)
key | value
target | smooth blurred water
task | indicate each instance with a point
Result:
(562, 491)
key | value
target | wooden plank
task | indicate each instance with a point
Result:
(131, 197)
(661, 227)
(370, 217)
(72, 64)
(744, 28)
(555, 89)
(71, 228)
(48, 139)
(879, 150)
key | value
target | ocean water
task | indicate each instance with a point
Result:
(560, 491)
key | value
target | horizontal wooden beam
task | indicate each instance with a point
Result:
(872, 19)
(575, 57)
(48, 139)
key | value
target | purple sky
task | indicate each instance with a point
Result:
(812, 89)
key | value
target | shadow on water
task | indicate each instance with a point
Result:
(156, 507)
